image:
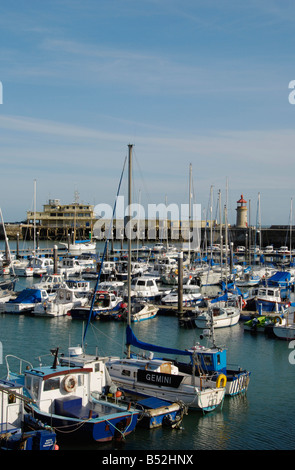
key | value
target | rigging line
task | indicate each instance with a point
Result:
(94, 328)
(103, 256)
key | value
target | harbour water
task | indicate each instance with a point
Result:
(262, 419)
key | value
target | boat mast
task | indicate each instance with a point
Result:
(130, 146)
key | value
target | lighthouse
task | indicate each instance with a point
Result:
(242, 213)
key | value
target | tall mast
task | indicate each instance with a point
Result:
(129, 239)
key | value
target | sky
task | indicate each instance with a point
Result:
(200, 82)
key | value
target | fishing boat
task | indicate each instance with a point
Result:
(266, 299)
(22, 268)
(50, 283)
(61, 396)
(161, 378)
(70, 267)
(18, 429)
(60, 305)
(105, 303)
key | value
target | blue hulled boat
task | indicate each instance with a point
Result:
(61, 396)
(19, 430)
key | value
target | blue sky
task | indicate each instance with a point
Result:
(191, 81)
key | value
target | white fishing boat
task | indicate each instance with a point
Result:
(50, 283)
(222, 317)
(60, 305)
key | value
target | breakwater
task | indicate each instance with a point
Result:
(276, 235)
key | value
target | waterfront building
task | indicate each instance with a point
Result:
(60, 220)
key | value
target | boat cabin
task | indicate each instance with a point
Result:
(52, 387)
(11, 406)
(209, 359)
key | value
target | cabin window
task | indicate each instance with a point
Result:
(11, 398)
(207, 359)
(52, 384)
(32, 384)
(126, 372)
(80, 380)
(97, 367)
(218, 360)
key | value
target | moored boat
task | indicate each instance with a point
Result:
(19, 430)
(61, 397)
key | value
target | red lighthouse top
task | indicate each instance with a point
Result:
(242, 200)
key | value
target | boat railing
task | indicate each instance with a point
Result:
(22, 363)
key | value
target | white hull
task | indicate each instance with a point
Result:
(146, 313)
(284, 332)
(193, 396)
(229, 318)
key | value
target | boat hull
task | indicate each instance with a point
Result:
(104, 429)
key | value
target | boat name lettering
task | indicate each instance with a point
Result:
(158, 378)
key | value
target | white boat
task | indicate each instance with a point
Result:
(222, 317)
(50, 283)
(146, 287)
(60, 305)
(162, 379)
(140, 311)
(22, 269)
(191, 296)
(70, 267)
(26, 301)
(79, 286)
(80, 247)
(284, 328)
(41, 266)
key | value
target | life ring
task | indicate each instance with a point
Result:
(278, 319)
(244, 303)
(221, 379)
(70, 383)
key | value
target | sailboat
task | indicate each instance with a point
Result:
(158, 378)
